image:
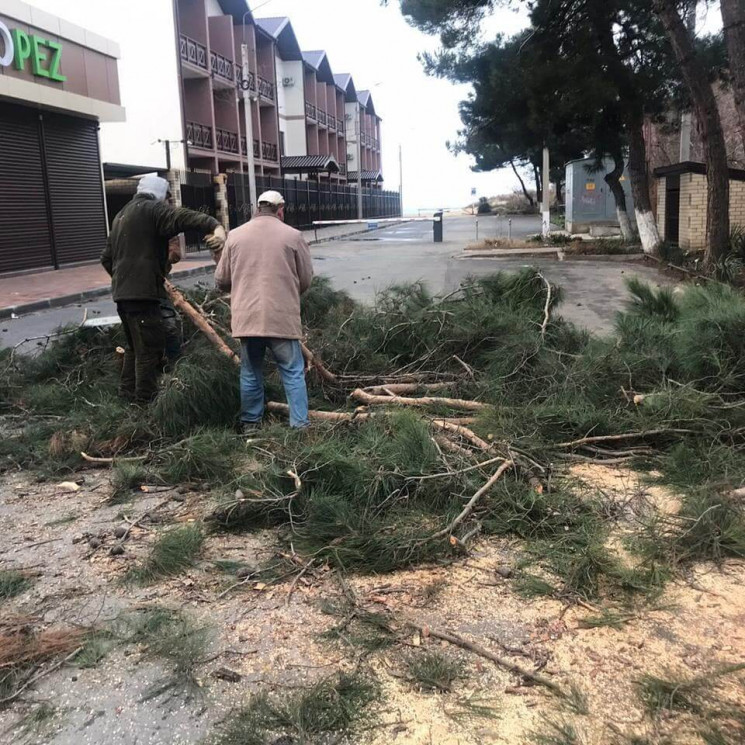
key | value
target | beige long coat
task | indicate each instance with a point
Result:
(266, 266)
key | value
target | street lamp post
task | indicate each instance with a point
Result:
(358, 130)
(249, 125)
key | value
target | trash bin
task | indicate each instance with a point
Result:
(437, 227)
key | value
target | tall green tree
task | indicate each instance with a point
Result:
(733, 21)
(710, 127)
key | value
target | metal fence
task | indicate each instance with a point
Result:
(197, 193)
(306, 201)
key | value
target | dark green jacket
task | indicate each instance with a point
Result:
(136, 252)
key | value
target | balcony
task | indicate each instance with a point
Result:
(268, 151)
(321, 117)
(226, 141)
(244, 147)
(193, 52)
(199, 135)
(310, 110)
(266, 88)
(222, 67)
(332, 122)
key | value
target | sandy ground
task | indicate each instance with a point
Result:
(698, 625)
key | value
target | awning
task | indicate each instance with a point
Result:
(309, 164)
(366, 176)
(126, 170)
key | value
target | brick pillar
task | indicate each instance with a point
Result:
(221, 199)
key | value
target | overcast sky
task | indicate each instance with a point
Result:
(380, 49)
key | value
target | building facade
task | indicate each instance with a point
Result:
(304, 117)
(58, 81)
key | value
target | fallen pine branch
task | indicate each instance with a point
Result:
(94, 459)
(363, 396)
(505, 664)
(182, 304)
(472, 502)
(626, 436)
(547, 307)
(312, 362)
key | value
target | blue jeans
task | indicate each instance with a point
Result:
(289, 358)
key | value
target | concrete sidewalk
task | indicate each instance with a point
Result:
(28, 293)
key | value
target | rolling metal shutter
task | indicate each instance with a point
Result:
(25, 236)
(75, 188)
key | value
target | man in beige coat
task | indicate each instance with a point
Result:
(266, 266)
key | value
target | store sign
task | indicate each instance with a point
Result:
(24, 50)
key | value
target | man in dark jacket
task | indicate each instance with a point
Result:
(136, 257)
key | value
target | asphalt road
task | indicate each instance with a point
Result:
(594, 290)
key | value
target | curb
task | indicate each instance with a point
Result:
(342, 236)
(80, 297)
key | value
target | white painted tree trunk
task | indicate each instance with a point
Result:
(624, 221)
(648, 232)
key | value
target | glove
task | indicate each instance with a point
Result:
(216, 240)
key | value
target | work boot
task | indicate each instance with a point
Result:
(249, 428)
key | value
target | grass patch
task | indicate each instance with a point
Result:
(332, 710)
(430, 670)
(173, 552)
(677, 693)
(12, 583)
(557, 733)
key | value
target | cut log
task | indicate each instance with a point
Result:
(327, 416)
(396, 388)
(464, 432)
(456, 403)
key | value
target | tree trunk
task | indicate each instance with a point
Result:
(710, 126)
(538, 184)
(613, 179)
(645, 220)
(559, 193)
(522, 184)
(733, 20)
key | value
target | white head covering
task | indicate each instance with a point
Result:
(154, 185)
(271, 197)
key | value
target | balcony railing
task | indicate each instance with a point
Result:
(321, 117)
(266, 88)
(244, 147)
(310, 110)
(332, 122)
(222, 66)
(268, 151)
(226, 141)
(193, 52)
(199, 135)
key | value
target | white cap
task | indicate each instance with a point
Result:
(271, 197)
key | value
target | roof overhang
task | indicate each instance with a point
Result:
(346, 83)
(367, 176)
(238, 9)
(280, 29)
(127, 170)
(319, 61)
(690, 166)
(309, 164)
